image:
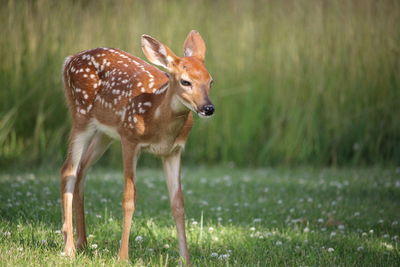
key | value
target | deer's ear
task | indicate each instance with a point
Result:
(157, 53)
(194, 46)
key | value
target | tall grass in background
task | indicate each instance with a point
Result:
(296, 82)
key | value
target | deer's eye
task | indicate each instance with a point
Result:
(186, 83)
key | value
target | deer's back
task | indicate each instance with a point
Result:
(107, 79)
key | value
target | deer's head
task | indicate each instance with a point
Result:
(188, 74)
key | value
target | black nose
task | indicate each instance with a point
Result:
(208, 110)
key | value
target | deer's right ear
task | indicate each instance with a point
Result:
(157, 53)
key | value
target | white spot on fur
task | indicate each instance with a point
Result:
(147, 104)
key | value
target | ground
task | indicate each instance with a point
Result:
(235, 217)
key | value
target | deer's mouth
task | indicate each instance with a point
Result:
(202, 112)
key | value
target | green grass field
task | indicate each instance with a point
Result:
(235, 217)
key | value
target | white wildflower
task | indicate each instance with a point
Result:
(214, 255)
(387, 246)
(223, 256)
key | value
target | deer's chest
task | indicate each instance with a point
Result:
(165, 141)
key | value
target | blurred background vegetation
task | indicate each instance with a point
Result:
(296, 82)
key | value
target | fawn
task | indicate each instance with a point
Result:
(114, 95)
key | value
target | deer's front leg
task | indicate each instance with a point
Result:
(172, 172)
(130, 154)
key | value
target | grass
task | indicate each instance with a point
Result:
(235, 217)
(296, 82)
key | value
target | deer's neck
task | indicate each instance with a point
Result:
(172, 104)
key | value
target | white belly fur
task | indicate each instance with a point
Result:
(163, 147)
(110, 131)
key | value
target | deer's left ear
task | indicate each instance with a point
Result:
(194, 46)
(158, 53)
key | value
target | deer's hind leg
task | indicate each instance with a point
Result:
(79, 141)
(95, 150)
